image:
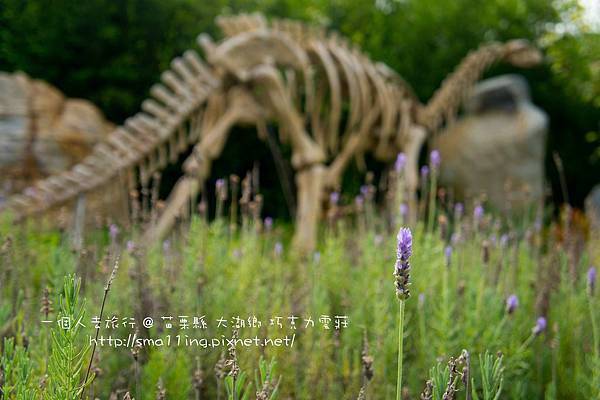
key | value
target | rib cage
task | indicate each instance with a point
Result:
(342, 73)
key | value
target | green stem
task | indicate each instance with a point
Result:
(432, 193)
(233, 391)
(499, 327)
(595, 337)
(446, 311)
(422, 332)
(526, 343)
(400, 340)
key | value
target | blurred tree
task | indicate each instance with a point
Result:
(107, 51)
(112, 51)
(569, 90)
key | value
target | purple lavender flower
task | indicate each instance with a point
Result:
(591, 279)
(478, 213)
(421, 299)
(317, 257)
(29, 191)
(424, 172)
(402, 267)
(400, 162)
(459, 209)
(456, 238)
(404, 250)
(537, 226)
(540, 326)
(221, 189)
(130, 246)
(268, 223)
(359, 200)
(504, 240)
(403, 210)
(448, 254)
(435, 159)
(512, 302)
(278, 249)
(237, 253)
(364, 190)
(113, 231)
(334, 198)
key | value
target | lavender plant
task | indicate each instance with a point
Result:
(434, 164)
(402, 283)
(266, 380)
(492, 377)
(215, 270)
(68, 353)
(17, 371)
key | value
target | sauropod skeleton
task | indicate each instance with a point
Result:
(330, 102)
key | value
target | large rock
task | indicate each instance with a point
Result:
(592, 209)
(497, 148)
(41, 131)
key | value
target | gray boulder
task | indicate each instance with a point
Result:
(41, 131)
(592, 208)
(497, 147)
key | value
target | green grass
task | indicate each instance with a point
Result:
(207, 271)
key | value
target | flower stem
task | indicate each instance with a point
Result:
(432, 193)
(595, 338)
(526, 343)
(499, 328)
(400, 340)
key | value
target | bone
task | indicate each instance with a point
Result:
(335, 94)
(157, 111)
(169, 99)
(195, 62)
(178, 86)
(192, 107)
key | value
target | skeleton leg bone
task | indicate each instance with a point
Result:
(310, 182)
(307, 158)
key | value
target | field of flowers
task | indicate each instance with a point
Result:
(480, 307)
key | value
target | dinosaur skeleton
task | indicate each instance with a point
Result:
(329, 101)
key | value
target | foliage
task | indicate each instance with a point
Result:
(266, 379)
(208, 270)
(17, 373)
(242, 388)
(491, 377)
(169, 367)
(65, 368)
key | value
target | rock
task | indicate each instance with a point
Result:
(13, 120)
(592, 208)
(71, 137)
(497, 148)
(41, 131)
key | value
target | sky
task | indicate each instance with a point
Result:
(592, 13)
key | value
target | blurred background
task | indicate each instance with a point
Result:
(111, 52)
